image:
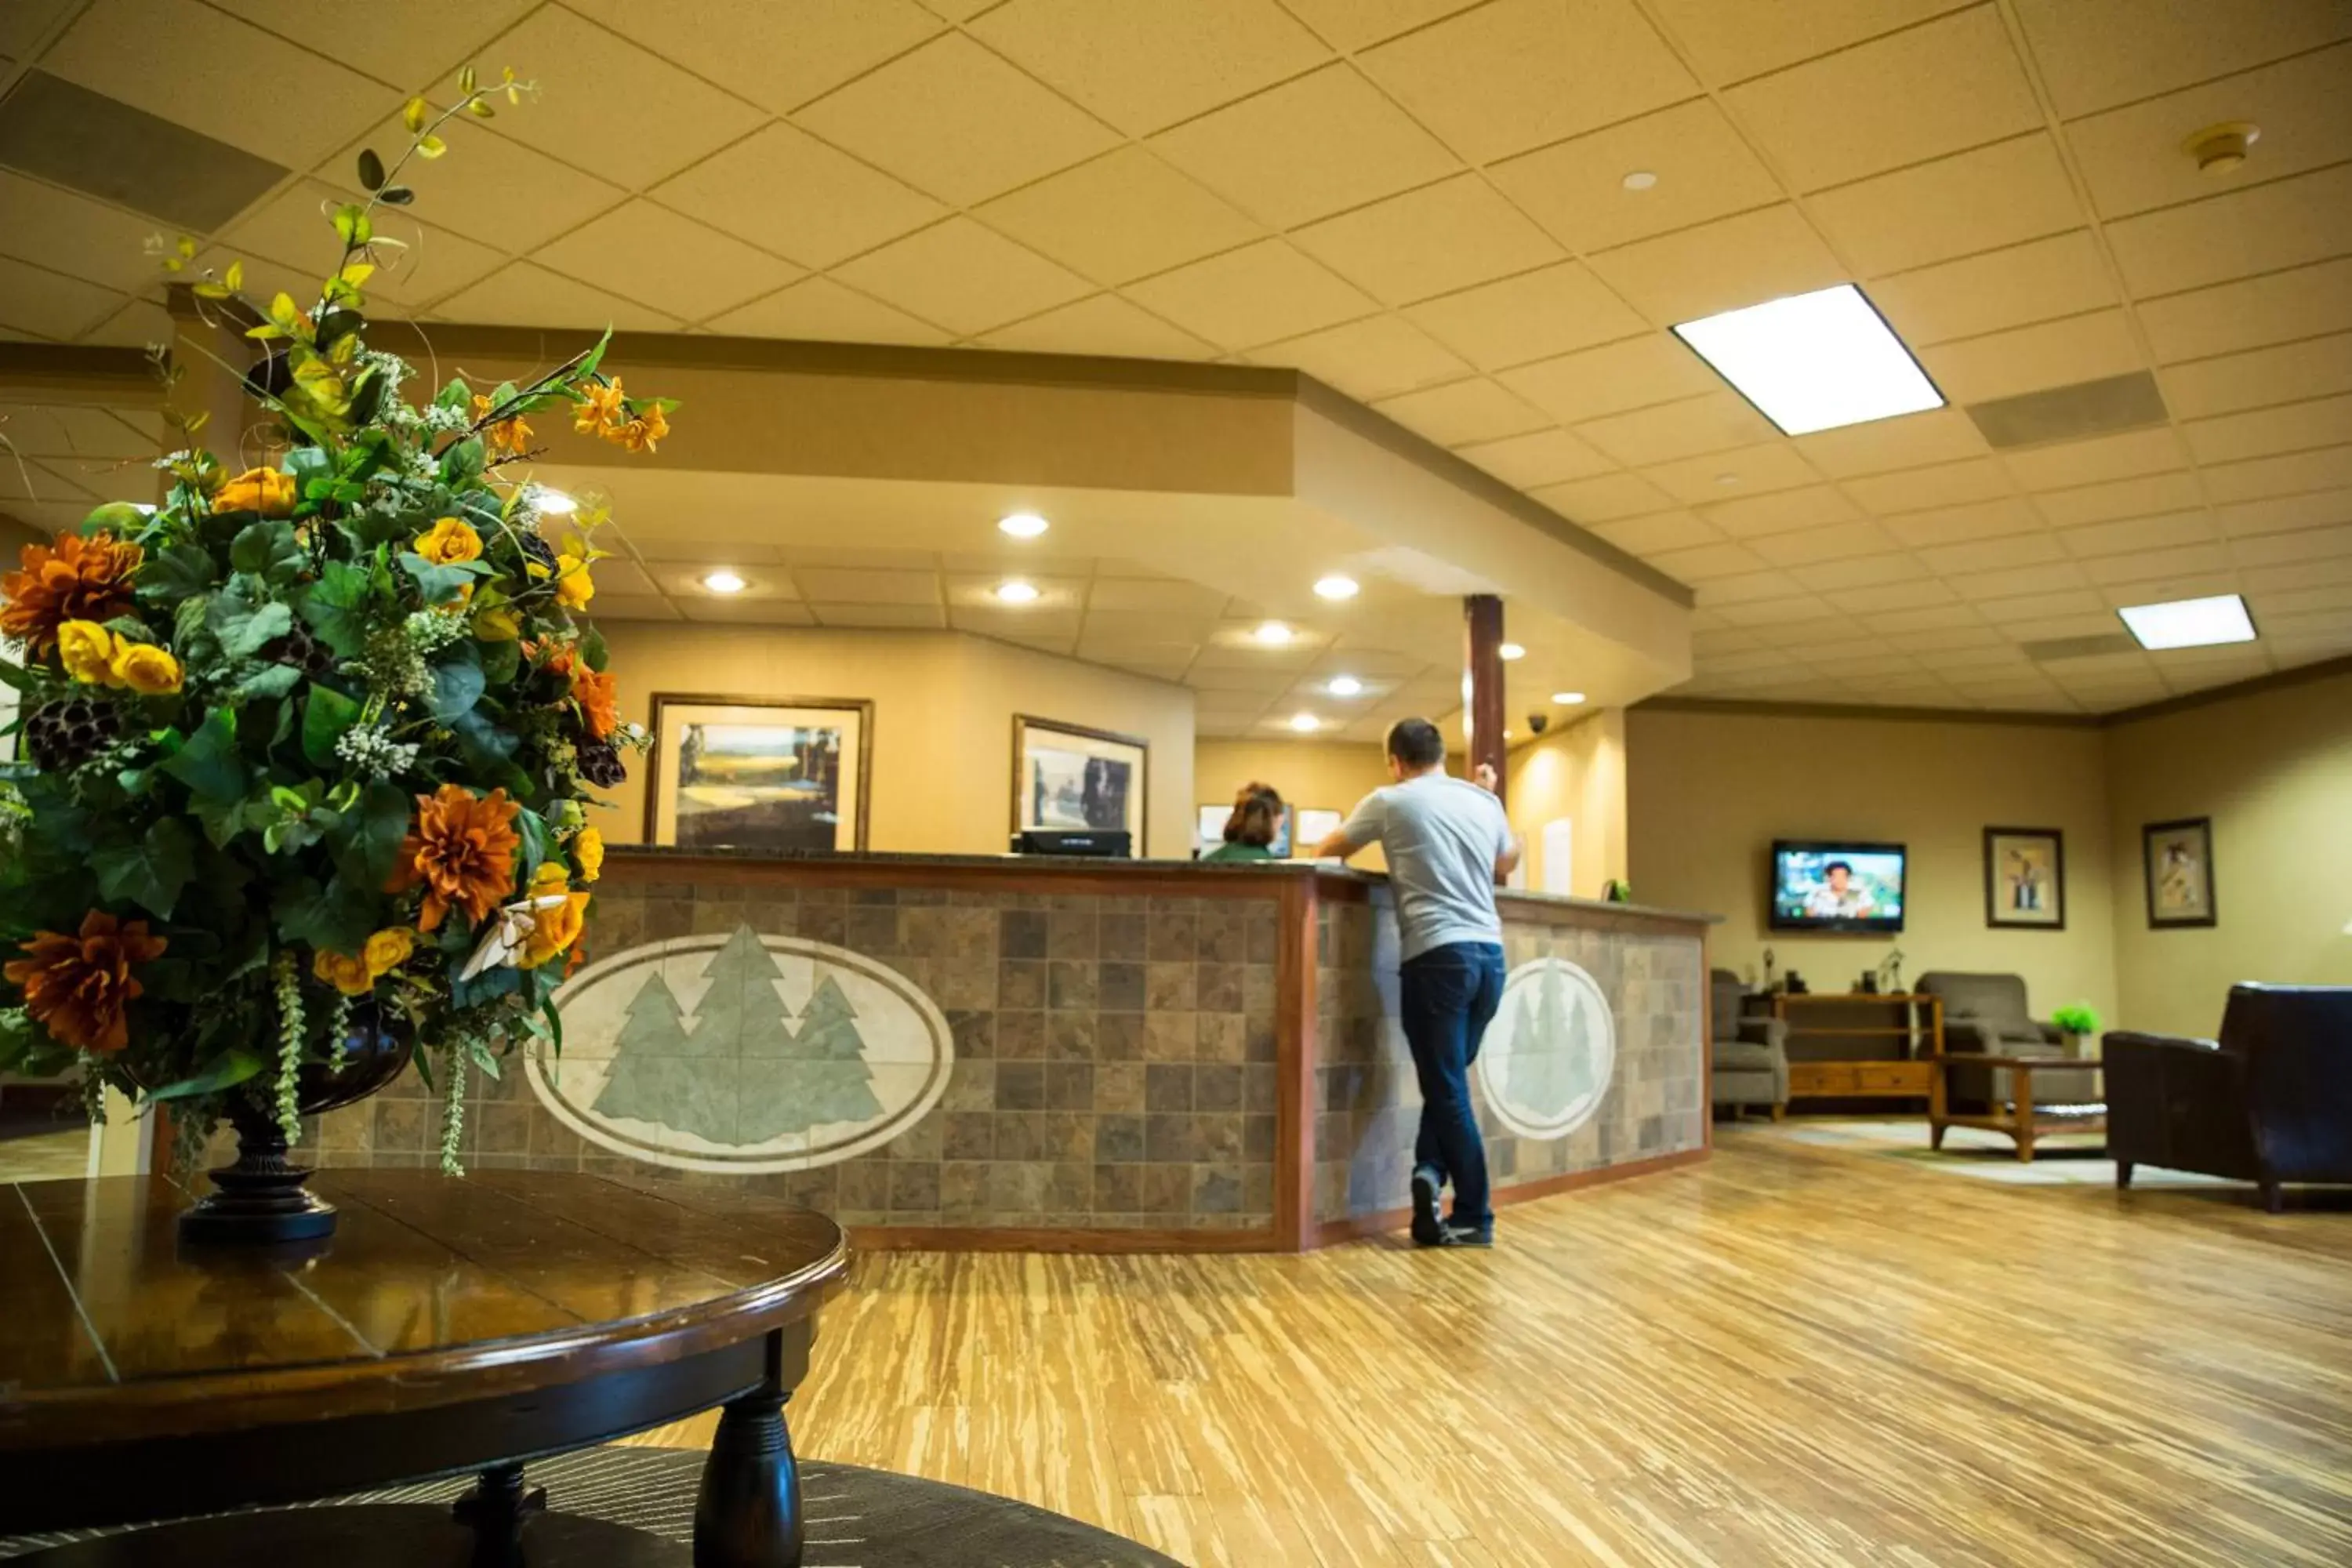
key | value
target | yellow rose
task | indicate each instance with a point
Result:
(573, 586)
(348, 975)
(550, 877)
(145, 669)
(589, 850)
(87, 649)
(499, 625)
(388, 949)
(553, 932)
(265, 490)
(450, 541)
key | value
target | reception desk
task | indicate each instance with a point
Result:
(975, 1052)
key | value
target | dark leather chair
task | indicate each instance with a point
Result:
(2269, 1102)
(1985, 1015)
(1749, 1054)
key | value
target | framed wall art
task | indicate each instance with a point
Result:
(1069, 776)
(2177, 857)
(2025, 878)
(791, 774)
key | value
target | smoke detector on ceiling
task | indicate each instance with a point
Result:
(2219, 149)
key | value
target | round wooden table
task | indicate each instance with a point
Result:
(449, 1327)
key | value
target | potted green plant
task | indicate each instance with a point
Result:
(308, 750)
(2078, 1023)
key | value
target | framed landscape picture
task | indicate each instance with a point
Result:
(2025, 878)
(1069, 776)
(747, 773)
(2179, 859)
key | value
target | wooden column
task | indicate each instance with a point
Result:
(1482, 620)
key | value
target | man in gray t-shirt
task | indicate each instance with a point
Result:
(1447, 842)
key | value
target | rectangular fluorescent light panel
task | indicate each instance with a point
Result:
(1814, 362)
(2191, 622)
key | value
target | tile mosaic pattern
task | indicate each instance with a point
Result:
(1369, 1105)
(1115, 1059)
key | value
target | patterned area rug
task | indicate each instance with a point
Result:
(857, 1518)
(2059, 1159)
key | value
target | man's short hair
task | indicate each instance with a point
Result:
(1416, 742)
(1837, 866)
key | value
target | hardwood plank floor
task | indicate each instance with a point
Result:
(1786, 1355)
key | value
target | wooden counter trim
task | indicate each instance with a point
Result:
(1062, 1238)
(1296, 1012)
(1012, 875)
(1597, 916)
(1334, 1231)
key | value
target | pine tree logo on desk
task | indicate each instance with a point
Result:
(742, 1053)
(1550, 1054)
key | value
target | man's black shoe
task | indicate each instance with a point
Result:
(1427, 1231)
(1466, 1236)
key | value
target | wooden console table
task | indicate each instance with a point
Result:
(1913, 1074)
(2019, 1118)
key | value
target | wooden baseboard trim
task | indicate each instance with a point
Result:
(1355, 1226)
(1006, 1239)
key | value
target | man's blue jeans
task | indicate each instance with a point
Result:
(1448, 996)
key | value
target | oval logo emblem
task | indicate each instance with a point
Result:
(742, 1053)
(1550, 1053)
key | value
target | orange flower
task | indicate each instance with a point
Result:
(76, 579)
(463, 850)
(507, 437)
(265, 490)
(640, 434)
(344, 972)
(78, 986)
(600, 409)
(553, 930)
(597, 693)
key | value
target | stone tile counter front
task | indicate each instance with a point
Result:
(1062, 1054)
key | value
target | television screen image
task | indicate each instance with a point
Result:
(1836, 886)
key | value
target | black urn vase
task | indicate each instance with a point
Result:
(260, 1199)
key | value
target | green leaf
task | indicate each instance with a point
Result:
(268, 550)
(531, 828)
(337, 916)
(307, 463)
(554, 1016)
(587, 366)
(151, 872)
(208, 762)
(366, 841)
(352, 226)
(15, 675)
(231, 1066)
(221, 820)
(458, 684)
(276, 680)
(178, 572)
(395, 196)
(501, 662)
(326, 714)
(462, 462)
(438, 584)
(371, 169)
(593, 650)
(457, 394)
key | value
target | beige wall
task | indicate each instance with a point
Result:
(1323, 775)
(1708, 793)
(1579, 774)
(2273, 769)
(943, 707)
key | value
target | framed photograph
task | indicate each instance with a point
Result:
(755, 773)
(2179, 865)
(1068, 776)
(2025, 878)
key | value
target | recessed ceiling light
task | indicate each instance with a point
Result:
(552, 502)
(1510, 735)
(722, 581)
(1638, 180)
(1727, 479)
(1274, 633)
(1022, 525)
(1017, 591)
(1305, 722)
(1567, 698)
(2191, 622)
(1814, 362)
(1512, 651)
(1335, 587)
(1344, 686)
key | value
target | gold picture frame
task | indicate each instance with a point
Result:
(791, 774)
(1073, 776)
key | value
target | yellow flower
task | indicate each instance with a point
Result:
(265, 490)
(87, 651)
(449, 542)
(499, 624)
(589, 850)
(553, 931)
(507, 437)
(348, 975)
(573, 586)
(601, 408)
(388, 949)
(145, 669)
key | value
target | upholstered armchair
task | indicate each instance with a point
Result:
(1986, 1016)
(1750, 1054)
(2269, 1102)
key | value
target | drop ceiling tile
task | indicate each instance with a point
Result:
(1463, 412)
(2131, 157)
(525, 294)
(292, 229)
(2133, 534)
(2144, 565)
(1730, 43)
(1705, 562)
(1520, 73)
(2285, 512)
(1721, 265)
(1658, 533)
(2293, 474)
(2287, 374)
(978, 591)
(2016, 582)
(881, 617)
(1889, 579)
(2095, 54)
(820, 309)
(846, 585)
(1160, 597)
(1943, 484)
(1537, 315)
(134, 326)
(1717, 421)
(1442, 237)
(1369, 359)
(1990, 554)
(2292, 428)
(1919, 94)
(956, 122)
(44, 484)
(1746, 516)
(1634, 374)
(786, 191)
(1752, 587)
(1252, 296)
(1933, 628)
(1306, 149)
(645, 252)
(1768, 466)
(2041, 280)
(1957, 524)
(2144, 495)
(1982, 200)
(779, 54)
(1119, 218)
(1842, 540)
(962, 276)
(2286, 306)
(1357, 24)
(1105, 324)
(1143, 67)
(1604, 499)
(1577, 189)
(1913, 440)
(2280, 549)
(1537, 458)
(1771, 612)
(2030, 359)
(2072, 463)
(415, 45)
(487, 187)
(2258, 228)
(46, 305)
(641, 607)
(67, 232)
(75, 434)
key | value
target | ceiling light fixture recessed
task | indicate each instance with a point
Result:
(1344, 686)
(2219, 149)
(723, 581)
(1638, 180)
(1017, 591)
(1567, 698)
(1022, 525)
(1814, 362)
(1304, 723)
(1335, 587)
(2190, 623)
(554, 502)
(1512, 651)
(1273, 633)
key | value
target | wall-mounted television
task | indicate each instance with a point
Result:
(1837, 885)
